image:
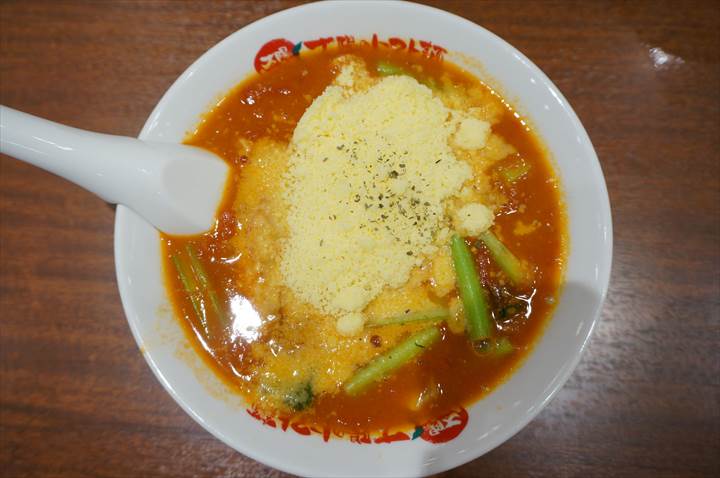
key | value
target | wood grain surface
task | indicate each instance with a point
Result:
(76, 397)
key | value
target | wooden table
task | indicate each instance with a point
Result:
(76, 397)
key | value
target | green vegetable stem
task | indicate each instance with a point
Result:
(477, 314)
(192, 290)
(432, 315)
(507, 261)
(385, 364)
(205, 284)
(385, 68)
(515, 171)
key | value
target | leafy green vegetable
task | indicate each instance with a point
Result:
(383, 365)
(477, 314)
(432, 315)
(510, 264)
(299, 398)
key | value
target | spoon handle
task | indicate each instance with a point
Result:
(175, 187)
(94, 161)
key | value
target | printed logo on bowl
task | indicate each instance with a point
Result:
(280, 49)
(443, 429)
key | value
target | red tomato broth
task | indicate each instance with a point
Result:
(270, 104)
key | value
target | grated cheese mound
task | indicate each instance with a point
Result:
(472, 133)
(368, 175)
(473, 219)
(350, 324)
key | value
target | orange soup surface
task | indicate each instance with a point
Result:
(287, 357)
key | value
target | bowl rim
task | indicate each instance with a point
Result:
(272, 459)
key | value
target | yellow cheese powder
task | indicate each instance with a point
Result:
(367, 178)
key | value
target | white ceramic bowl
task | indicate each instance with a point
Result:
(492, 420)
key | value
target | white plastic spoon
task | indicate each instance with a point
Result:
(176, 188)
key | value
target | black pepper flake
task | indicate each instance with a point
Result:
(438, 161)
(357, 198)
(409, 253)
(340, 147)
(325, 159)
(407, 311)
(380, 206)
(426, 203)
(393, 174)
(402, 165)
